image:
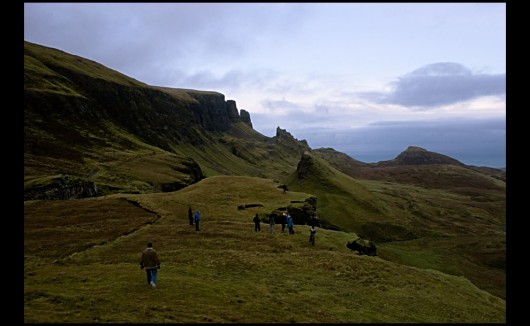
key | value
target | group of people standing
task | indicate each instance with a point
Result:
(290, 223)
(286, 220)
(151, 262)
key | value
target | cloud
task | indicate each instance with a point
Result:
(152, 41)
(439, 84)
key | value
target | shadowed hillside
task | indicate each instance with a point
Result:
(114, 134)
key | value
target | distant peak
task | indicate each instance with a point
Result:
(415, 149)
(415, 155)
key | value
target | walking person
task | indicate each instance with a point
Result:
(312, 234)
(272, 223)
(284, 221)
(257, 221)
(190, 215)
(290, 224)
(197, 219)
(151, 264)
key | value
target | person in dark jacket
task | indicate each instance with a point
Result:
(190, 215)
(312, 234)
(257, 222)
(151, 263)
(272, 223)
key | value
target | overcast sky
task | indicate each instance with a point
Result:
(368, 79)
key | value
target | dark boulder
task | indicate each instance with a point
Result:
(304, 213)
(363, 247)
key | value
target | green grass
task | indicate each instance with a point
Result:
(224, 273)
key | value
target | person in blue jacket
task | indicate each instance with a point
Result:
(197, 219)
(290, 224)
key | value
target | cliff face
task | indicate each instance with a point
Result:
(112, 133)
(84, 93)
(213, 113)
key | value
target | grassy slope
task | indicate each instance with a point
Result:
(342, 201)
(40, 77)
(224, 273)
(457, 233)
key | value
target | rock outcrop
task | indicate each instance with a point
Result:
(302, 212)
(214, 113)
(245, 117)
(363, 247)
(62, 187)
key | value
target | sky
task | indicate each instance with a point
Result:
(367, 79)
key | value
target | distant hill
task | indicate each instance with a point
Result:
(414, 155)
(418, 166)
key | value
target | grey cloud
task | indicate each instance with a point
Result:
(264, 80)
(227, 82)
(207, 79)
(146, 41)
(440, 84)
(290, 108)
(293, 116)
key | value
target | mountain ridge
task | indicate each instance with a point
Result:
(83, 94)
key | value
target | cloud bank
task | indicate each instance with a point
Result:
(441, 83)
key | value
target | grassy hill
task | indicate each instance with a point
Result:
(459, 230)
(81, 265)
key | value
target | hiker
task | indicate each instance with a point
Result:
(257, 220)
(290, 224)
(312, 233)
(284, 221)
(197, 219)
(190, 215)
(271, 224)
(151, 263)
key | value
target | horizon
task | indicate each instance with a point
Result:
(390, 154)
